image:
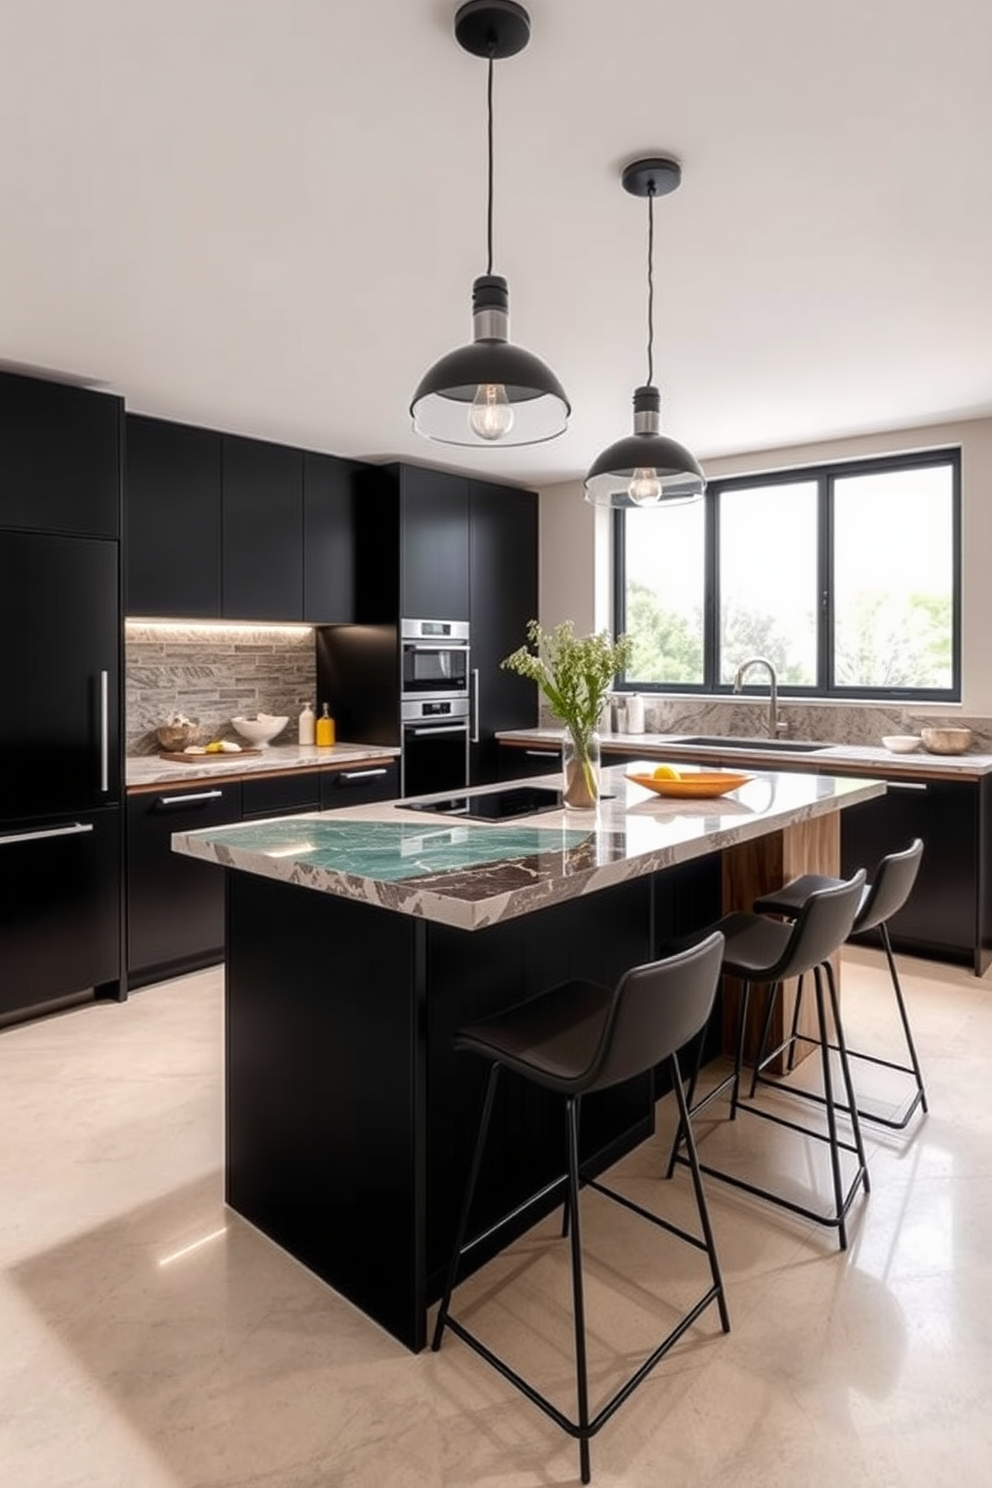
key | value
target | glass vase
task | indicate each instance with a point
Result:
(581, 763)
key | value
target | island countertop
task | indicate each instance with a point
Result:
(475, 874)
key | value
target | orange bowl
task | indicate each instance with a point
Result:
(700, 783)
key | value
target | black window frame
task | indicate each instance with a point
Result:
(825, 477)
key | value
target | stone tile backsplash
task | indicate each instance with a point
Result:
(213, 676)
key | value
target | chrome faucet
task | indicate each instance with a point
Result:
(774, 726)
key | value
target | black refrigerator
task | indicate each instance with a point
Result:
(60, 777)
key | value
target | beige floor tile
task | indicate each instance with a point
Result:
(151, 1338)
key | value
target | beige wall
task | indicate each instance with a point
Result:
(576, 559)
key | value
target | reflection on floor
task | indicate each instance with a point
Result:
(149, 1338)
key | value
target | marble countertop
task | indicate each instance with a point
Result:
(864, 757)
(142, 771)
(474, 874)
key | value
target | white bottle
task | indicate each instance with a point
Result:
(635, 713)
(307, 723)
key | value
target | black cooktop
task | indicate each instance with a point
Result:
(501, 805)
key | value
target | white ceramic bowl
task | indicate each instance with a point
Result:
(901, 743)
(946, 740)
(259, 731)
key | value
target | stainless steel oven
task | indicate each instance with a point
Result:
(434, 658)
(435, 745)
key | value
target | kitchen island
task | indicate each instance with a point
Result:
(359, 940)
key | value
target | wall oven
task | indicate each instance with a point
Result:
(434, 658)
(435, 745)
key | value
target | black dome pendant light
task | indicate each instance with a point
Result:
(646, 468)
(490, 392)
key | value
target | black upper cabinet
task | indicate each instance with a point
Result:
(503, 569)
(173, 519)
(329, 498)
(262, 530)
(60, 465)
(434, 545)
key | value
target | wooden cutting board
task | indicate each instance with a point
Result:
(208, 759)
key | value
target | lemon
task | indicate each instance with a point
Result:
(215, 747)
(665, 772)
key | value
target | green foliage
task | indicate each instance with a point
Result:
(575, 673)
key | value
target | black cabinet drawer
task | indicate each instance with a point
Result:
(175, 904)
(280, 795)
(60, 909)
(536, 759)
(357, 787)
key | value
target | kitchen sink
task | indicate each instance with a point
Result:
(724, 741)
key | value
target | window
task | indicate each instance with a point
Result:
(846, 577)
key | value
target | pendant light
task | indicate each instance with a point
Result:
(646, 468)
(490, 392)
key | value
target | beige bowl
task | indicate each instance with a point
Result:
(946, 740)
(174, 737)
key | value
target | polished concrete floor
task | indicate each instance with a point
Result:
(149, 1337)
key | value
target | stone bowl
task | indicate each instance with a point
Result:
(173, 737)
(901, 743)
(946, 740)
(261, 730)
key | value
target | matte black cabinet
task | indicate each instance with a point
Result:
(412, 535)
(330, 492)
(59, 910)
(502, 599)
(60, 466)
(173, 526)
(948, 913)
(373, 781)
(262, 530)
(175, 905)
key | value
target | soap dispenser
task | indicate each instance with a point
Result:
(307, 720)
(325, 730)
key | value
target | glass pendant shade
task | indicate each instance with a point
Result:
(646, 468)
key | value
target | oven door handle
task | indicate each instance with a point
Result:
(439, 728)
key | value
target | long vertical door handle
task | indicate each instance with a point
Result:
(104, 732)
(475, 705)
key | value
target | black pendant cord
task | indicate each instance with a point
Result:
(489, 206)
(650, 382)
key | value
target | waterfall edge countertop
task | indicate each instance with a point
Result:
(864, 758)
(471, 875)
(147, 771)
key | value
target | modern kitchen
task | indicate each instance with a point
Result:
(297, 818)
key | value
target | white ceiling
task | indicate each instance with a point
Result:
(266, 215)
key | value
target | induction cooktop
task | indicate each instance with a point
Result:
(501, 805)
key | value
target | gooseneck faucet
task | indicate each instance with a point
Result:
(774, 727)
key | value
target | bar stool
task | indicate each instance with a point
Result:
(574, 1039)
(766, 951)
(883, 897)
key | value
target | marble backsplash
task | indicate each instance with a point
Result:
(213, 675)
(828, 723)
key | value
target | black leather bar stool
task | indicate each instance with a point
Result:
(766, 951)
(577, 1038)
(883, 897)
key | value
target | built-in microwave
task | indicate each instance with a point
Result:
(435, 658)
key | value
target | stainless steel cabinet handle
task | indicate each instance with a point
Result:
(343, 775)
(72, 831)
(444, 728)
(104, 732)
(897, 785)
(543, 753)
(475, 705)
(213, 795)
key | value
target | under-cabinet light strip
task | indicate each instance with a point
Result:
(218, 627)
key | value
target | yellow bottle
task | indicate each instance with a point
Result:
(324, 732)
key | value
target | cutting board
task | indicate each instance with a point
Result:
(228, 757)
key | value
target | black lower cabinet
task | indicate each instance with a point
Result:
(279, 795)
(59, 911)
(948, 913)
(358, 787)
(175, 905)
(516, 763)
